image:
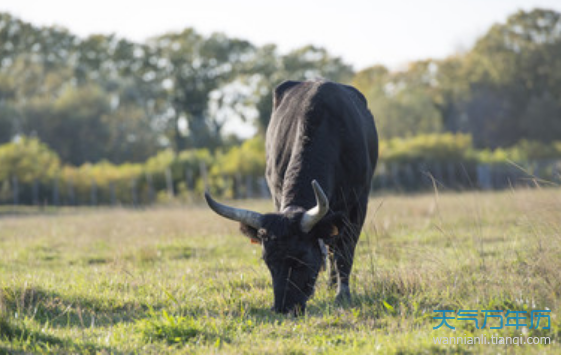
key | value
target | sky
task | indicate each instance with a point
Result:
(362, 32)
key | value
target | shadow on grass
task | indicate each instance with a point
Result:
(24, 340)
(57, 310)
(12, 332)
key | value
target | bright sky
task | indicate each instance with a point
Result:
(363, 32)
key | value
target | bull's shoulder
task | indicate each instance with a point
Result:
(312, 102)
(331, 92)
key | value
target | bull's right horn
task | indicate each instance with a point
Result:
(315, 214)
(252, 219)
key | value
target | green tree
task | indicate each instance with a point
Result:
(29, 160)
(73, 125)
(43, 65)
(402, 102)
(7, 112)
(511, 68)
(308, 62)
(194, 66)
(449, 91)
(130, 137)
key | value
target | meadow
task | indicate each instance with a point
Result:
(179, 279)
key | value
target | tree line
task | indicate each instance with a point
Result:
(105, 98)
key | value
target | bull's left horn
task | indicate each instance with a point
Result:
(252, 219)
(315, 214)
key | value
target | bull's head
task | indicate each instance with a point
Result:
(292, 243)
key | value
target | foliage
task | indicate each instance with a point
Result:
(106, 98)
(247, 159)
(428, 148)
(125, 101)
(196, 66)
(525, 150)
(28, 159)
(513, 72)
(136, 122)
(76, 113)
(401, 102)
(308, 62)
(225, 172)
(503, 90)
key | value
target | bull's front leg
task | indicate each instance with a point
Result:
(332, 269)
(344, 252)
(343, 256)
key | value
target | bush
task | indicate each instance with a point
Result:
(440, 148)
(29, 160)
(239, 170)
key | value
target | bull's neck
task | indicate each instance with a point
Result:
(294, 203)
(309, 161)
(299, 193)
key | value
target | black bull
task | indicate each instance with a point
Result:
(322, 149)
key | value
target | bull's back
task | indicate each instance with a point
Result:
(323, 131)
(358, 151)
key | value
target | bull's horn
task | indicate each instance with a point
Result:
(314, 215)
(252, 219)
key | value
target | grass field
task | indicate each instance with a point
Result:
(182, 280)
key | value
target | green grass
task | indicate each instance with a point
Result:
(182, 280)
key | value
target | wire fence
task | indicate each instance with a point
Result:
(461, 176)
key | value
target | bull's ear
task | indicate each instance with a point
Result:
(281, 89)
(330, 227)
(250, 232)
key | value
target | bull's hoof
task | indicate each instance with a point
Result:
(343, 296)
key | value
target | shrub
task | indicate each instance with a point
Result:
(29, 160)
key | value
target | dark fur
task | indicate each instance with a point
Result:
(319, 130)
